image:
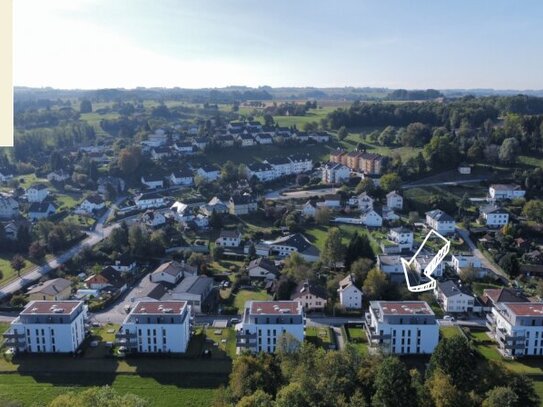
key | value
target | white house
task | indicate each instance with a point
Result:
(152, 181)
(517, 327)
(460, 261)
(402, 327)
(246, 140)
(505, 191)
(494, 216)
(388, 214)
(9, 207)
(320, 137)
(390, 264)
(464, 169)
(286, 245)
(182, 176)
(262, 268)
(371, 218)
(149, 201)
(350, 296)
(330, 202)
(182, 212)
(156, 327)
(153, 219)
(58, 176)
(184, 147)
(454, 298)
(242, 204)
(172, 272)
(92, 203)
(264, 138)
(440, 222)
(48, 327)
(394, 200)
(262, 171)
(160, 152)
(423, 260)
(334, 173)
(209, 172)
(125, 264)
(365, 202)
(214, 205)
(37, 193)
(309, 210)
(41, 210)
(264, 322)
(310, 295)
(281, 165)
(403, 237)
(300, 162)
(229, 238)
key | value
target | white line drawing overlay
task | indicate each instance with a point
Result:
(429, 269)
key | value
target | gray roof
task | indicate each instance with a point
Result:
(197, 285)
(449, 288)
(51, 287)
(439, 215)
(488, 209)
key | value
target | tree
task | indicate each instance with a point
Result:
(258, 398)
(523, 387)
(387, 136)
(217, 253)
(342, 133)
(533, 210)
(291, 395)
(129, 159)
(215, 220)
(509, 264)
(229, 172)
(333, 249)
(322, 216)
(454, 357)
(253, 372)
(36, 251)
(390, 182)
(17, 263)
(360, 269)
(358, 247)
(286, 343)
(98, 396)
(375, 284)
(501, 397)
(138, 240)
(365, 185)
(508, 150)
(416, 134)
(393, 385)
(442, 390)
(85, 106)
(268, 120)
(468, 274)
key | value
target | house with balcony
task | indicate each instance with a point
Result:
(48, 327)
(262, 171)
(156, 327)
(402, 237)
(517, 328)
(454, 298)
(264, 322)
(402, 327)
(334, 173)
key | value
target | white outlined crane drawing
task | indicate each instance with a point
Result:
(429, 269)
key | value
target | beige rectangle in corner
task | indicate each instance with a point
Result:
(6, 73)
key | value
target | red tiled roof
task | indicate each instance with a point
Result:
(49, 307)
(275, 307)
(159, 307)
(526, 309)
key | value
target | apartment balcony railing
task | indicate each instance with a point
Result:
(246, 340)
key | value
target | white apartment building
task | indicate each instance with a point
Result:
(494, 216)
(263, 323)
(156, 327)
(453, 298)
(262, 171)
(350, 296)
(48, 327)
(460, 261)
(394, 200)
(440, 222)
(229, 238)
(517, 328)
(334, 173)
(300, 163)
(37, 193)
(402, 327)
(403, 237)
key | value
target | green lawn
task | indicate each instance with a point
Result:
(318, 234)
(319, 337)
(214, 337)
(64, 201)
(449, 331)
(246, 295)
(358, 339)
(8, 273)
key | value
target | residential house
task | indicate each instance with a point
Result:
(58, 176)
(505, 191)
(181, 176)
(388, 214)
(214, 205)
(281, 165)
(311, 295)
(107, 278)
(300, 163)
(152, 181)
(182, 212)
(309, 210)
(160, 152)
(172, 272)
(37, 193)
(453, 297)
(242, 204)
(57, 289)
(9, 207)
(440, 222)
(394, 200)
(262, 268)
(91, 204)
(184, 147)
(229, 238)
(197, 291)
(246, 140)
(48, 327)
(517, 328)
(226, 140)
(461, 261)
(365, 202)
(334, 173)
(494, 216)
(149, 201)
(285, 245)
(390, 265)
(331, 202)
(125, 264)
(403, 237)
(493, 296)
(41, 210)
(264, 138)
(153, 219)
(264, 322)
(301, 136)
(209, 172)
(402, 327)
(262, 171)
(423, 260)
(200, 143)
(350, 296)
(320, 137)
(156, 327)
(371, 218)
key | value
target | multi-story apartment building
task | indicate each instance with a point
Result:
(371, 164)
(402, 327)
(440, 221)
(263, 323)
(156, 327)
(517, 328)
(334, 173)
(48, 326)
(493, 216)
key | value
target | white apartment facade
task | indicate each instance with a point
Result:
(394, 200)
(440, 222)
(402, 327)
(505, 191)
(48, 327)
(264, 322)
(350, 296)
(156, 327)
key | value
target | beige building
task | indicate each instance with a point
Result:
(312, 297)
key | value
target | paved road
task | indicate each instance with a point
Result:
(476, 252)
(99, 233)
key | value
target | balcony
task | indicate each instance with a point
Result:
(246, 340)
(373, 335)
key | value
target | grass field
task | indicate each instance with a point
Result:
(227, 334)
(318, 234)
(358, 339)
(449, 331)
(8, 273)
(319, 337)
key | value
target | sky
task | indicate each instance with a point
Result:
(412, 44)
